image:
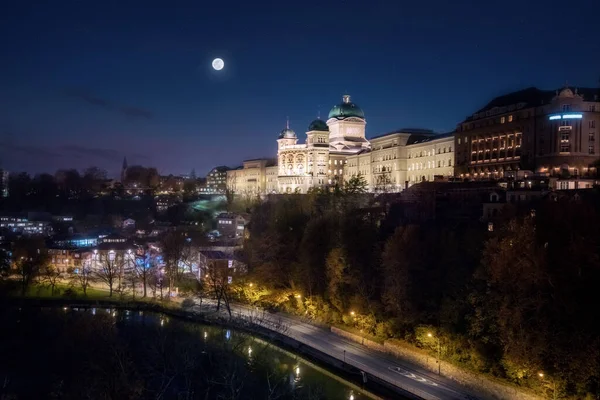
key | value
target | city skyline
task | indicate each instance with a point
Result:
(88, 86)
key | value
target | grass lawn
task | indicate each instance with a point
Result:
(40, 291)
(44, 292)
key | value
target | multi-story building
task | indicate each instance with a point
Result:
(24, 226)
(549, 132)
(337, 149)
(231, 225)
(216, 180)
(63, 259)
(250, 180)
(399, 159)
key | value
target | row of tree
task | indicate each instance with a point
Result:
(516, 302)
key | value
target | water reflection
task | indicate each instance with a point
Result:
(213, 354)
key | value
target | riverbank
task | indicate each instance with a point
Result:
(256, 325)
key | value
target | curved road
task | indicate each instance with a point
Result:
(400, 373)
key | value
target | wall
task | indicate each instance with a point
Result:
(485, 387)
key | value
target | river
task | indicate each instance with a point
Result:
(96, 353)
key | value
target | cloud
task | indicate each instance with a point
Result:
(88, 97)
(9, 147)
(106, 154)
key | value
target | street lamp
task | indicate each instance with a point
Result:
(352, 313)
(439, 352)
(551, 384)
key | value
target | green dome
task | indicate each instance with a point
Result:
(346, 109)
(318, 125)
(287, 133)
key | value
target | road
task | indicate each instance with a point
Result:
(400, 373)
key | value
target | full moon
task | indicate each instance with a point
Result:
(218, 64)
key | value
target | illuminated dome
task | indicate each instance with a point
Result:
(318, 125)
(346, 109)
(287, 133)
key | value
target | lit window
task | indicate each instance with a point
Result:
(459, 142)
(510, 118)
(502, 120)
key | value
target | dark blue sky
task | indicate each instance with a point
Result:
(87, 82)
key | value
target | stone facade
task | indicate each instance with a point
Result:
(548, 132)
(337, 149)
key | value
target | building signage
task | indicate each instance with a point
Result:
(565, 116)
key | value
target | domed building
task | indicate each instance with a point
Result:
(337, 149)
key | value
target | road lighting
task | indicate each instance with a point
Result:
(551, 384)
(439, 352)
(352, 313)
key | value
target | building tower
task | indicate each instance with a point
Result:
(124, 170)
(347, 127)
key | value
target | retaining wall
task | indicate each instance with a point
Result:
(484, 386)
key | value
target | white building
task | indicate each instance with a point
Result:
(337, 149)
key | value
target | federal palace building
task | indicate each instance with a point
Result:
(547, 132)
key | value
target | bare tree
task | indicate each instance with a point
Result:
(219, 279)
(30, 257)
(82, 277)
(110, 269)
(50, 276)
(143, 267)
(173, 244)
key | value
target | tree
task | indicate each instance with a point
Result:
(383, 183)
(4, 263)
(218, 277)
(357, 184)
(143, 267)
(30, 257)
(51, 276)
(110, 269)
(336, 279)
(173, 244)
(82, 277)
(93, 179)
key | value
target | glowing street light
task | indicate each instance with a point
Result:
(298, 296)
(352, 313)
(439, 352)
(541, 374)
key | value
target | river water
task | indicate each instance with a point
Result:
(118, 354)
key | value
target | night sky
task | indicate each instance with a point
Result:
(86, 82)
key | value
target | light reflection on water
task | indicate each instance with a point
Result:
(299, 372)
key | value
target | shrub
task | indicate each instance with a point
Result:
(70, 293)
(187, 303)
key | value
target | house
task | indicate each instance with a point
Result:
(210, 261)
(232, 225)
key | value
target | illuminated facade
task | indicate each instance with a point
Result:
(216, 180)
(549, 132)
(3, 183)
(337, 149)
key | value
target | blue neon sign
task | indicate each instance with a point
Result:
(565, 116)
